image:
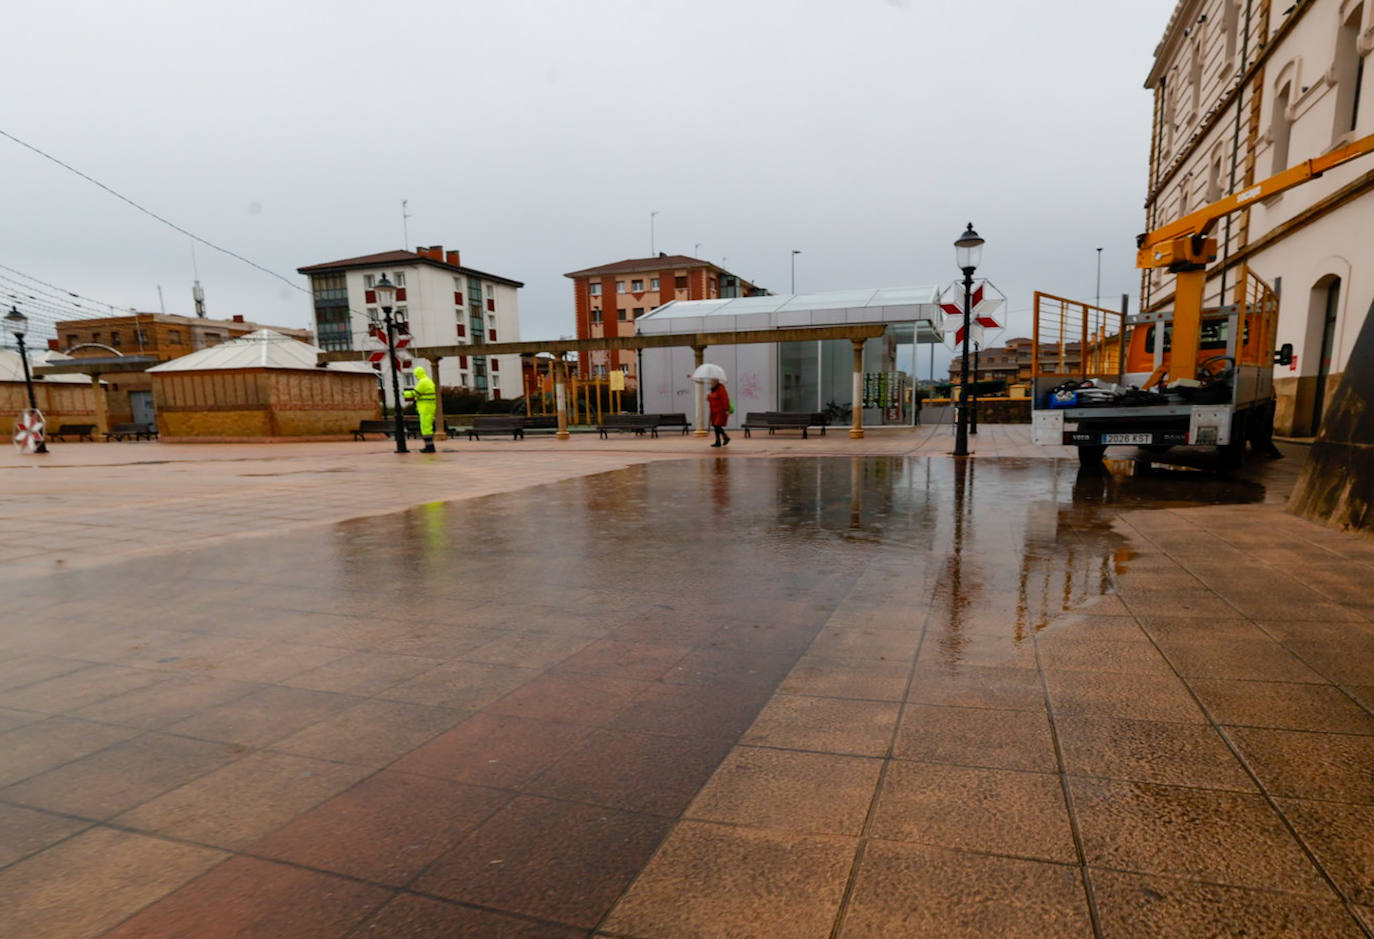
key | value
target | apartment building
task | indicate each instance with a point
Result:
(611, 297)
(443, 302)
(1244, 89)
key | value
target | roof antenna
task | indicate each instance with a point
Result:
(197, 292)
(405, 224)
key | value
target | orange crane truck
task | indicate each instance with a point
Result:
(1201, 376)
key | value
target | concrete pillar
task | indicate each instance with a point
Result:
(438, 398)
(856, 426)
(699, 359)
(561, 397)
(102, 414)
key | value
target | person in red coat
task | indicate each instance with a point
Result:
(718, 400)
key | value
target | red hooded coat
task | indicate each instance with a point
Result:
(719, 402)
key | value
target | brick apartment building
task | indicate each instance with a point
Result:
(609, 299)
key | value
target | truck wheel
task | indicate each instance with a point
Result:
(1091, 455)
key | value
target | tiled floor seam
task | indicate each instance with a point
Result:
(851, 880)
(1075, 828)
(1264, 793)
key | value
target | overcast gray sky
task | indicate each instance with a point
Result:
(536, 137)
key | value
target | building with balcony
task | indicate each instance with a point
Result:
(1245, 89)
(610, 298)
(443, 302)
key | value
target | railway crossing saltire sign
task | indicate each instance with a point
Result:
(28, 430)
(985, 320)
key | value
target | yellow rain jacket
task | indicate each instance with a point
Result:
(424, 395)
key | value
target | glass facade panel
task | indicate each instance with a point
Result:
(798, 376)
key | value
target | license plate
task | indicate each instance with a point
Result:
(1127, 438)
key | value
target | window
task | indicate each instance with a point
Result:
(596, 316)
(636, 286)
(639, 311)
(595, 289)
(462, 331)
(622, 314)
(713, 285)
(369, 280)
(495, 365)
(620, 286)
(495, 379)
(1279, 131)
(1349, 74)
(653, 283)
(1230, 25)
(491, 291)
(372, 313)
(491, 304)
(680, 282)
(1195, 72)
(458, 284)
(114, 339)
(399, 279)
(71, 340)
(458, 297)
(491, 335)
(95, 335)
(1214, 177)
(173, 336)
(463, 378)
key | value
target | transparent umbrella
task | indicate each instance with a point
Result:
(707, 372)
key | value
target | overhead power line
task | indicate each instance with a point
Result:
(151, 214)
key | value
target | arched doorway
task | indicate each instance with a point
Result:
(1326, 298)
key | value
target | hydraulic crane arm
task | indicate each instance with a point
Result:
(1153, 247)
(1184, 248)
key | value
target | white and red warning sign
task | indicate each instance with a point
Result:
(985, 319)
(28, 430)
(377, 333)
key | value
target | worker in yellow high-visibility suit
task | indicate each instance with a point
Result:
(424, 395)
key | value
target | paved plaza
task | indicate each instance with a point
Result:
(642, 688)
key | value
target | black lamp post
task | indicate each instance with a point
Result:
(18, 324)
(968, 251)
(973, 397)
(386, 299)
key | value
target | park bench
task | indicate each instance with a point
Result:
(497, 424)
(384, 427)
(79, 431)
(674, 420)
(541, 422)
(134, 429)
(783, 420)
(635, 423)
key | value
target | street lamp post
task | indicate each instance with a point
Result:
(968, 251)
(795, 252)
(973, 405)
(18, 324)
(386, 299)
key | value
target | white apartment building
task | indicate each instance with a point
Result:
(444, 303)
(1245, 89)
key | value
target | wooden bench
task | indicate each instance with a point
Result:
(635, 423)
(79, 431)
(675, 420)
(384, 427)
(541, 422)
(783, 420)
(497, 424)
(134, 429)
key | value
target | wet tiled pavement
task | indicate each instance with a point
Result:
(787, 696)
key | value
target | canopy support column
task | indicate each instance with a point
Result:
(439, 427)
(698, 360)
(561, 397)
(102, 413)
(856, 426)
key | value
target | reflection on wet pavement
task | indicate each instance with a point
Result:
(491, 715)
